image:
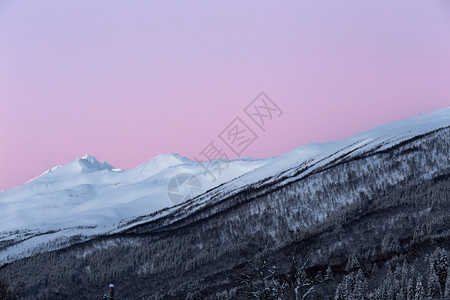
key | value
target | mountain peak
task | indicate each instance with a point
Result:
(161, 162)
(90, 158)
(90, 163)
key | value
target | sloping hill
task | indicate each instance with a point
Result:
(369, 197)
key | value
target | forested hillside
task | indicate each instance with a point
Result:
(349, 226)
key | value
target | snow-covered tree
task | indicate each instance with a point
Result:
(390, 244)
(354, 286)
(447, 284)
(352, 263)
(404, 279)
(439, 264)
(300, 279)
(361, 286)
(410, 289)
(434, 288)
(420, 291)
(329, 274)
(265, 284)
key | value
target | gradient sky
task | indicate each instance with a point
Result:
(127, 80)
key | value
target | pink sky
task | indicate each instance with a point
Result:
(127, 80)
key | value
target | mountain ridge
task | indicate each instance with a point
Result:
(104, 201)
(373, 196)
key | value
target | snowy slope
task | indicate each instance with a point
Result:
(87, 197)
(310, 159)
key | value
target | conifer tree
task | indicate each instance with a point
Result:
(434, 288)
(420, 291)
(352, 263)
(439, 263)
(361, 286)
(329, 274)
(447, 284)
(410, 290)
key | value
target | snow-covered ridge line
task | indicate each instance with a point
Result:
(295, 164)
(194, 210)
(89, 198)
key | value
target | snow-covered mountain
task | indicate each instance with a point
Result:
(382, 193)
(84, 198)
(87, 197)
(309, 160)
